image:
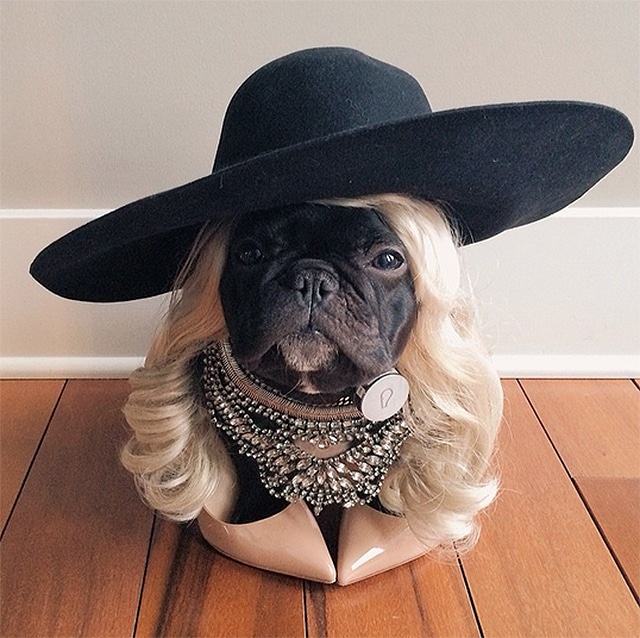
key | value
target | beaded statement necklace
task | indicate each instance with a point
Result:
(267, 427)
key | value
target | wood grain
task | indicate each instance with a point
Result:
(74, 552)
(191, 590)
(25, 410)
(615, 503)
(594, 423)
(422, 598)
(541, 567)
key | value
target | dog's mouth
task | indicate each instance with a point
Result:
(306, 363)
(307, 351)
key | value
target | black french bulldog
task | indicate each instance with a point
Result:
(317, 299)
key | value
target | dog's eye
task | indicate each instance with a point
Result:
(388, 260)
(249, 255)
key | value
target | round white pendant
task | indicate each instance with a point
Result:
(384, 396)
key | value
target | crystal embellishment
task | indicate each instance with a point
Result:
(267, 426)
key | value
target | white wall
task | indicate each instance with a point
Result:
(104, 102)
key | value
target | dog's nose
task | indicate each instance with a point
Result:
(314, 284)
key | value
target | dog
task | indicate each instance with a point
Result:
(317, 299)
(288, 314)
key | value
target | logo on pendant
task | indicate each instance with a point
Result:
(385, 397)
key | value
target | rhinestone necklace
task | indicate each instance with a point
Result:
(266, 426)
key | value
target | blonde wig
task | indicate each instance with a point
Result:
(440, 482)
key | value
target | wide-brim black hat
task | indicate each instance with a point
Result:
(333, 122)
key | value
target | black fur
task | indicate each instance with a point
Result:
(319, 286)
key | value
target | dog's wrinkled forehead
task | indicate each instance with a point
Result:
(315, 229)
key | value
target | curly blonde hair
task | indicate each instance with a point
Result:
(441, 481)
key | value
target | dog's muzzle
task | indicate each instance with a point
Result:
(313, 282)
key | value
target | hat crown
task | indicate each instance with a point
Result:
(311, 95)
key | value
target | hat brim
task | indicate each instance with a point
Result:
(496, 167)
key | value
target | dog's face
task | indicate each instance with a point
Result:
(317, 299)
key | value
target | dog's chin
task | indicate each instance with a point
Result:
(307, 365)
(304, 354)
(307, 351)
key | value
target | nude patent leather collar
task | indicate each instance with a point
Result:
(290, 542)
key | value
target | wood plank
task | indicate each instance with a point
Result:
(594, 423)
(74, 552)
(615, 503)
(422, 598)
(25, 410)
(192, 590)
(541, 568)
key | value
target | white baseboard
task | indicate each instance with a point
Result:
(568, 286)
(508, 367)
(68, 367)
(567, 367)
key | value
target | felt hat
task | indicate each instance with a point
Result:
(333, 122)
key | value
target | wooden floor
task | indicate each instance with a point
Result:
(559, 553)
